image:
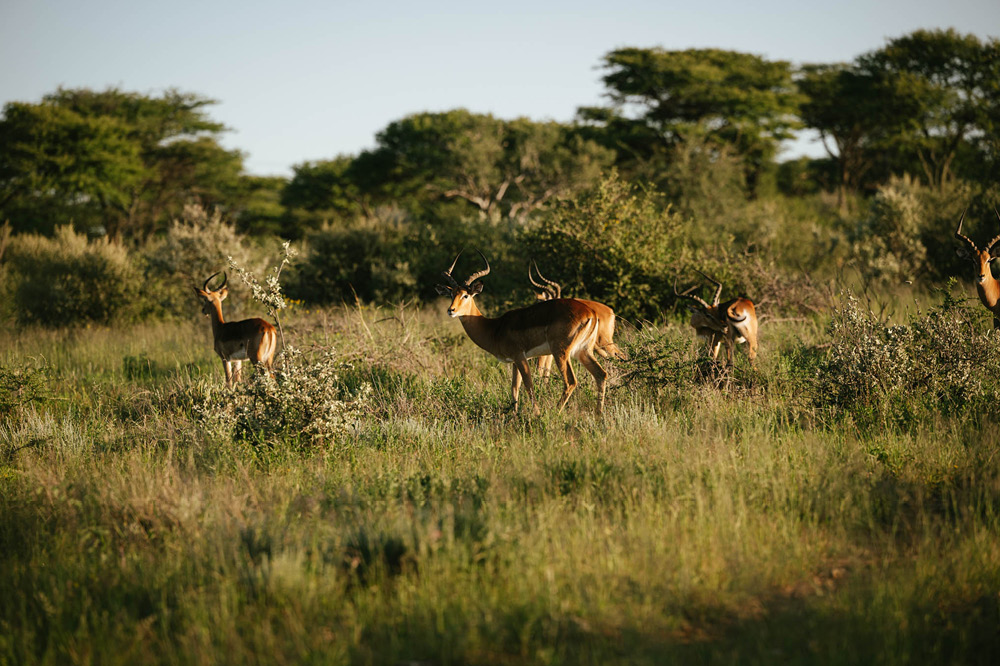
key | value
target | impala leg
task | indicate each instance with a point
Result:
(714, 343)
(600, 376)
(730, 345)
(515, 386)
(227, 366)
(521, 366)
(237, 371)
(544, 366)
(569, 377)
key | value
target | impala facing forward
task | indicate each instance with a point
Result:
(562, 327)
(254, 340)
(987, 285)
(731, 322)
(605, 346)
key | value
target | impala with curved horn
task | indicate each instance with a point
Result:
(732, 322)
(987, 285)
(605, 345)
(565, 328)
(253, 340)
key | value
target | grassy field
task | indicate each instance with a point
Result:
(747, 521)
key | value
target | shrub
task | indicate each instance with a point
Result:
(307, 403)
(615, 243)
(887, 242)
(943, 361)
(195, 246)
(21, 386)
(371, 259)
(67, 280)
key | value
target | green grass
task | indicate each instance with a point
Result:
(690, 524)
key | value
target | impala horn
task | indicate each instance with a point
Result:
(447, 274)
(555, 289)
(478, 274)
(225, 278)
(958, 232)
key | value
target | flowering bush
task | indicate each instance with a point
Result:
(944, 360)
(887, 243)
(306, 403)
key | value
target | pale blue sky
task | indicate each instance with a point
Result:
(304, 80)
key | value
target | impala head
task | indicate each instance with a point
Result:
(210, 297)
(462, 295)
(980, 258)
(704, 315)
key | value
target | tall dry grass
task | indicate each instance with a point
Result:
(751, 523)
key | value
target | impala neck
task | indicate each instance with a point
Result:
(216, 317)
(478, 327)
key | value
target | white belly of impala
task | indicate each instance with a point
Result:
(238, 354)
(540, 350)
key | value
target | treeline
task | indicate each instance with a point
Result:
(678, 170)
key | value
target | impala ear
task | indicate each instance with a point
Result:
(476, 288)
(963, 253)
(443, 289)
(223, 293)
(995, 252)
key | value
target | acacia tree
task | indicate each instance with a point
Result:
(939, 94)
(55, 160)
(660, 97)
(503, 169)
(135, 160)
(843, 105)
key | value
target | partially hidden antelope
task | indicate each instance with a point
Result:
(253, 340)
(605, 345)
(732, 322)
(564, 327)
(987, 285)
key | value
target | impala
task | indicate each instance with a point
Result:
(987, 285)
(731, 322)
(562, 327)
(605, 346)
(237, 341)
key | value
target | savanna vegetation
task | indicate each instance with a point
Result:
(836, 502)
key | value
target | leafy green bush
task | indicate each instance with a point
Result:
(371, 259)
(67, 280)
(21, 386)
(616, 243)
(943, 361)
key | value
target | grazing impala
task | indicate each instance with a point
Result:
(605, 346)
(562, 327)
(237, 341)
(987, 285)
(731, 322)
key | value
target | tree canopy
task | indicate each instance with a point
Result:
(499, 168)
(119, 159)
(660, 98)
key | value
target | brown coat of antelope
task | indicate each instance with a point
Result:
(732, 322)
(987, 285)
(605, 346)
(563, 327)
(253, 340)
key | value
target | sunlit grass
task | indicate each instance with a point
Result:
(745, 524)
